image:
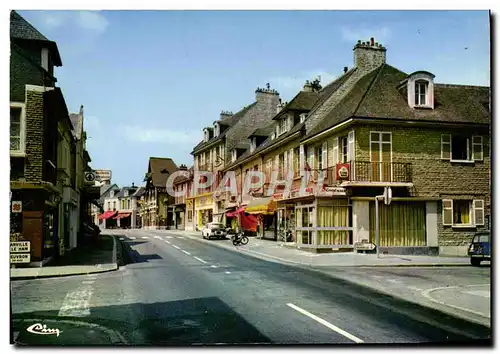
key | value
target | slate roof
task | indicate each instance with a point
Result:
(376, 95)
(264, 131)
(105, 189)
(121, 193)
(161, 168)
(303, 101)
(228, 121)
(139, 192)
(22, 29)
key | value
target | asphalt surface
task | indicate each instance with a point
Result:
(178, 291)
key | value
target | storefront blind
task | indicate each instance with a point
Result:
(336, 215)
(401, 224)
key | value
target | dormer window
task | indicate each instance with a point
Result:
(111, 194)
(206, 135)
(234, 155)
(216, 129)
(421, 93)
(125, 193)
(253, 144)
(303, 117)
(420, 88)
(282, 126)
(45, 59)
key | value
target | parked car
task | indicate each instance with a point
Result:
(479, 249)
(214, 230)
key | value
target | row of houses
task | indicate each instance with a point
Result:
(372, 129)
(147, 207)
(51, 181)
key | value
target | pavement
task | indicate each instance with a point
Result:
(97, 258)
(176, 290)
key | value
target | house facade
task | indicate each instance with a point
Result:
(183, 201)
(376, 128)
(156, 211)
(222, 144)
(127, 208)
(109, 204)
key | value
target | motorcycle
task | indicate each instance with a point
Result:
(239, 238)
(285, 235)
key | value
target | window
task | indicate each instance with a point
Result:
(45, 58)
(303, 117)
(125, 193)
(17, 128)
(190, 216)
(281, 166)
(114, 205)
(109, 205)
(463, 212)
(420, 93)
(381, 156)
(461, 147)
(319, 157)
(235, 155)
(128, 203)
(282, 126)
(343, 149)
(296, 161)
(111, 194)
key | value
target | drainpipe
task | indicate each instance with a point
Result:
(377, 225)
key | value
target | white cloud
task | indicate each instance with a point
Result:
(91, 123)
(92, 20)
(85, 20)
(381, 35)
(168, 136)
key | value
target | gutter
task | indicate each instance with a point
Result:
(329, 130)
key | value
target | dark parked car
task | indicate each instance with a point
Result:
(479, 249)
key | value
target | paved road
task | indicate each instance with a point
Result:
(178, 291)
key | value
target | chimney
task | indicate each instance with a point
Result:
(308, 87)
(266, 94)
(280, 106)
(369, 55)
(133, 184)
(345, 69)
(183, 167)
(226, 114)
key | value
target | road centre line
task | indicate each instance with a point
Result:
(326, 323)
(167, 242)
(145, 237)
(201, 260)
(174, 246)
(213, 266)
(186, 252)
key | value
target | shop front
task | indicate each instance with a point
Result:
(190, 214)
(204, 208)
(265, 209)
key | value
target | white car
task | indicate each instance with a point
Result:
(214, 230)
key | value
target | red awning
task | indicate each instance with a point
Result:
(235, 213)
(121, 216)
(107, 215)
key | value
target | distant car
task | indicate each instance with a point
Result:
(479, 249)
(214, 230)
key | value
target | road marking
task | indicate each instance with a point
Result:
(168, 236)
(145, 237)
(176, 247)
(394, 281)
(186, 252)
(122, 238)
(182, 238)
(76, 303)
(132, 237)
(427, 295)
(326, 323)
(167, 242)
(414, 288)
(158, 237)
(88, 282)
(201, 260)
(482, 293)
(227, 272)
(213, 266)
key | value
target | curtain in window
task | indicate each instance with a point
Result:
(330, 216)
(401, 224)
(461, 211)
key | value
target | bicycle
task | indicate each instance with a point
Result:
(239, 238)
(285, 235)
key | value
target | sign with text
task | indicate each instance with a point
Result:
(364, 246)
(20, 258)
(20, 247)
(343, 171)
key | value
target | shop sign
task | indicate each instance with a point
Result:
(17, 206)
(20, 258)
(342, 171)
(278, 196)
(335, 190)
(20, 247)
(89, 177)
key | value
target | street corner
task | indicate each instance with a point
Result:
(60, 331)
(472, 299)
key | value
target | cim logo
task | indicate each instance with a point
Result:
(38, 328)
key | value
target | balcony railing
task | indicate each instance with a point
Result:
(366, 171)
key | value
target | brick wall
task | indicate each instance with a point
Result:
(34, 136)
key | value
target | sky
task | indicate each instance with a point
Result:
(150, 81)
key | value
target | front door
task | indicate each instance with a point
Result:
(381, 157)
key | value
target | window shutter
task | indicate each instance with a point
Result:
(277, 162)
(310, 153)
(478, 206)
(291, 161)
(324, 158)
(285, 164)
(447, 212)
(350, 146)
(301, 159)
(477, 148)
(446, 146)
(335, 151)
